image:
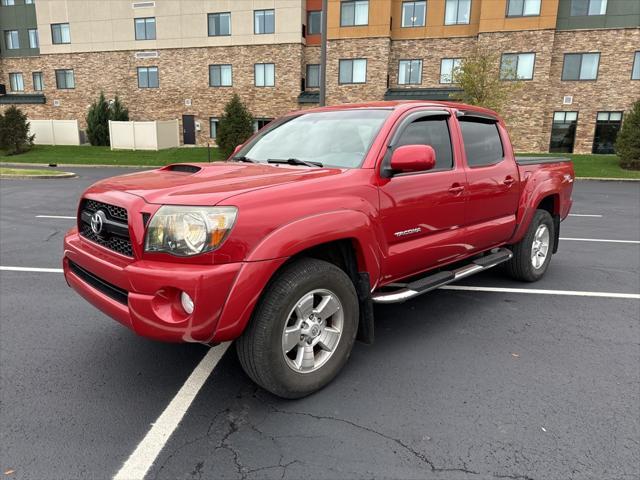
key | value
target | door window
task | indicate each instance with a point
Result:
(434, 132)
(563, 132)
(482, 142)
(607, 127)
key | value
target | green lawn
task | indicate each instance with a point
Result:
(88, 155)
(603, 166)
(585, 165)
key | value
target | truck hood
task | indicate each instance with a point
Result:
(207, 183)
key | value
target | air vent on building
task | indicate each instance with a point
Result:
(140, 55)
(143, 4)
(187, 102)
(567, 100)
(56, 103)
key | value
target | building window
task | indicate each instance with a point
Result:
(259, 123)
(413, 14)
(65, 79)
(219, 24)
(482, 143)
(314, 22)
(220, 76)
(28, 2)
(353, 71)
(410, 72)
(563, 132)
(607, 127)
(148, 77)
(8, 3)
(635, 72)
(354, 13)
(580, 66)
(38, 81)
(517, 66)
(523, 8)
(264, 21)
(60, 33)
(213, 127)
(16, 82)
(457, 12)
(264, 74)
(11, 39)
(313, 76)
(33, 38)
(145, 28)
(580, 8)
(448, 67)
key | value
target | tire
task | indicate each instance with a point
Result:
(303, 294)
(523, 266)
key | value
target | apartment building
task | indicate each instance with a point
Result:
(579, 60)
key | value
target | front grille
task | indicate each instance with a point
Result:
(116, 293)
(115, 212)
(115, 233)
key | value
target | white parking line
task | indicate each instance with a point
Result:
(55, 216)
(584, 215)
(605, 240)
(31, 269)
(537, 291)
(137, 465)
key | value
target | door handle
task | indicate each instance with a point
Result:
(509, 181)
(456, 189)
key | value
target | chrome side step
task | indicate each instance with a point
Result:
(431, 282)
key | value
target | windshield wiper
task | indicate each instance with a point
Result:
(295, 161)
(244, 159)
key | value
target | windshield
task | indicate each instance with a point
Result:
(338, 138)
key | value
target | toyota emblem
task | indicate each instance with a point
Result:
(97, 222)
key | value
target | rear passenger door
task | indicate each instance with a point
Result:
(422, 212)
(493, 182)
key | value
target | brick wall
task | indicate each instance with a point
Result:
(183, 73)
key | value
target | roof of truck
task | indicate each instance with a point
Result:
(400, 105)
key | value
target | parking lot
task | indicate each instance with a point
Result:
(491, 379)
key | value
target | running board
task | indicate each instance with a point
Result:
(426, 284)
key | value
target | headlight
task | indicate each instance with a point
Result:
(187, 231)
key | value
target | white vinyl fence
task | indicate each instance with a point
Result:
(155, 135)
(55, 132)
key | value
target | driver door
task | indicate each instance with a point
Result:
(422, 213)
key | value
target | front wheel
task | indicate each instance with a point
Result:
(531, 256)
(302, 331)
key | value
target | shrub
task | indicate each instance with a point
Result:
(98, 122)
(628, 142)
(14, 131)
(98, 118)
(236, 126)
(480, 83)
(118, 112)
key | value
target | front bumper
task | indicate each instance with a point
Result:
(149, 291)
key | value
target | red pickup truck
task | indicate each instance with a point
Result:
(288, 244)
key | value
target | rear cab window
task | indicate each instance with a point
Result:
(482, 142)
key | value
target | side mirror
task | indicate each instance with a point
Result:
(413, 158)
(235, 150)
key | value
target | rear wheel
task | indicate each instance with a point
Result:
(302, 331)
(531, 256)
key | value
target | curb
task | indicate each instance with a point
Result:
(607, 179)
(71, 165)
(38, 177)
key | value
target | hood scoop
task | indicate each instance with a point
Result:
(182, 168)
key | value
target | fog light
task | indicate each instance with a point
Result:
(186, 302)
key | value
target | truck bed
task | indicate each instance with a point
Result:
(534, 160)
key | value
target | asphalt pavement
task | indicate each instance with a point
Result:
(458, 385)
